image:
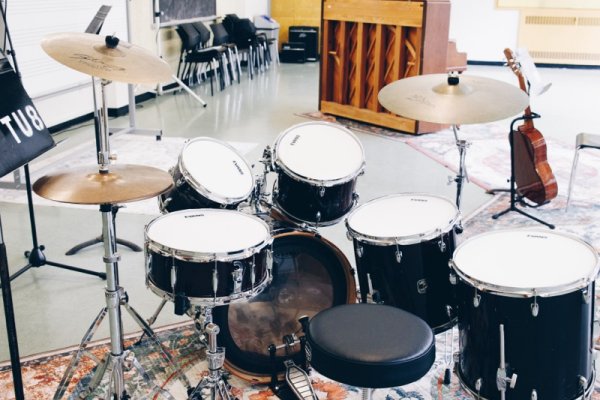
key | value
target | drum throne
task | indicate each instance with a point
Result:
(370, 346)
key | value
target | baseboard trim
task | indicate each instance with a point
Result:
(539, 65)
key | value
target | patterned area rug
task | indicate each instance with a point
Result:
(43, 373)
(130, 149)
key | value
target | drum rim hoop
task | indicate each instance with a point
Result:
(184, 255)
(401, 240)
(351, 295)
(508, 291)
(217, 301)
(318, 182)
(203, 190)
(297, 220)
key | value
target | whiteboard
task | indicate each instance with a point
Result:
(30, 20)
(174, 12)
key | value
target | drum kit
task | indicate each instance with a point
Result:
(250, 267)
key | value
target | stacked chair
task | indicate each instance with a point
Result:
(233, 40)
(253, 47)
(197, 62)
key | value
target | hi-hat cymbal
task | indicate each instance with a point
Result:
(472, 100)
(88, 53)
(122, 184)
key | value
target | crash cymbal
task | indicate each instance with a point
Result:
(88, 53)
(122, 184)
(464, 100)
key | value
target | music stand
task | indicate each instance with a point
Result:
(36, 257)
(18, 145)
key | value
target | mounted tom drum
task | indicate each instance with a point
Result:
(317, 165)
(210, 174)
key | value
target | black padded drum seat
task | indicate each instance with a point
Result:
(370, 345)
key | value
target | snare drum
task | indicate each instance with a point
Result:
(526, 297)
(210, 174)
(208, 256)
(310, 274)
(402, 245)
(317, 165)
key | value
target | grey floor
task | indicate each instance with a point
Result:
(54, 307)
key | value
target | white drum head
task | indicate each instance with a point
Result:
(524, 261)
(216, 170)
(207, 231)
(402, 216)
(320, 151)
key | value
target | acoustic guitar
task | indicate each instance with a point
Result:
(533, 175)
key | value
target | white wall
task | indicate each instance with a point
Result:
(481, 30)
(243, 8)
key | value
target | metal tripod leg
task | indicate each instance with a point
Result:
(152, 336)
(68, 375)
(215, 382)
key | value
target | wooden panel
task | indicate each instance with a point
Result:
(369, 44)
(435, 37)
(405, 13)
(372, 117)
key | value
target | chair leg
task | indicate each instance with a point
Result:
(239, 64)
(572, 178)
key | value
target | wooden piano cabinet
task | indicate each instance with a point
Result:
(367, 44)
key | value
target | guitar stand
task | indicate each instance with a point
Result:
(100, 239)
(514, 196)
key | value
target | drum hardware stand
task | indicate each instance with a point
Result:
(462, 175)
(134, 247)
(296, 376)
(216, 382)
(449, 355)
(514, 196)
(118, 360)
(502, 379)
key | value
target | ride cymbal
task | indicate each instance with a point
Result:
(454, 100)
(122, 184)
(90, 54)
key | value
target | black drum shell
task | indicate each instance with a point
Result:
(398, 284)
(302, 200)
(331, 269)
(194, 279)
(183, 196)
(548, 352)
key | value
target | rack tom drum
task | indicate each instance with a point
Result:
(317, 164)
(209, 174)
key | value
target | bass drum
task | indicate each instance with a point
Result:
(310, 274)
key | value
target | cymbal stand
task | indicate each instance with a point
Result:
(216, 380)
(514, 196)
(462, 175)
(118, 360)
(98, 239)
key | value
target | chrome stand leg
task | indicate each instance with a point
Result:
(152, 336)
(215, 382)
(68, 375)
(462, 175)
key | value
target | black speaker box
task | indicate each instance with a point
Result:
(309, 35)
(292, 52)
